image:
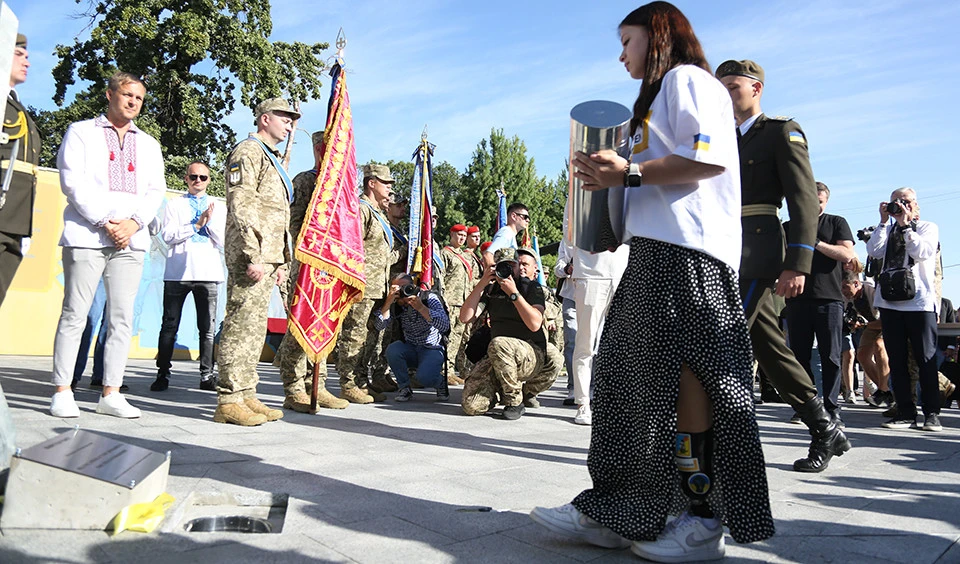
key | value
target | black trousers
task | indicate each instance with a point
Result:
(205, 298)
(920, 327)
(823, 318)
(770, 346)
(10, 256)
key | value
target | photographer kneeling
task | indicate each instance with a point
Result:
(423, 324)
(907, 302)
(520, 363)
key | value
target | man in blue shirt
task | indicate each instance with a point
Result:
(423, 325)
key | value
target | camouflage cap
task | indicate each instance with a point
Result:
(275, 105)
(526, 251)
(378, 171)
(507, 254)
(21, 41)
(745, 68)
(317, 137)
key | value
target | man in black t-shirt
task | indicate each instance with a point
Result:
(819, 309)
(520, 363)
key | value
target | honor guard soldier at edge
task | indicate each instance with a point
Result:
(19, 174)
(775, 165)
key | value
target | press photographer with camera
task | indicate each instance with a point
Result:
(907, 301)
(520, 363)
(424, 323)
(870, 352)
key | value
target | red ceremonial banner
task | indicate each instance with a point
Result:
(330, 243)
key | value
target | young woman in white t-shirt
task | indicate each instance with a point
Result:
(673, 407)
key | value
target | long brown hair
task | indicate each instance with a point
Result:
(672, 43)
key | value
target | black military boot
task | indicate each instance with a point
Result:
(828, 440)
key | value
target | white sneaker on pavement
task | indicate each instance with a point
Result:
(62, 404)
(116, 405)
(685, 539)
(584, 415)
(567, 521)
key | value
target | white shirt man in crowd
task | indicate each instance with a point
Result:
(112, 175)
(193, 227)
(518, 217)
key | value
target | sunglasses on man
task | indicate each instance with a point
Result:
(201, 177)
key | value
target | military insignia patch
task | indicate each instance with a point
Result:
(701, 142)
(699, 483)
(233, 173)
(797, 137)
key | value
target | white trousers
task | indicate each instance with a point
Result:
(592, 298)
(82, 270)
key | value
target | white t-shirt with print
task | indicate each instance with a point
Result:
(691, 117)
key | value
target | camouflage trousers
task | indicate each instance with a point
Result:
(456, 339)
(351, 345)
(374, 350)
(511, 370)
(293, 367)
(244, 330)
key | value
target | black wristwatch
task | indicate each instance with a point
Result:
(632, 177)
(514, 297)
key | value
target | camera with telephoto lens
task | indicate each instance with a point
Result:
(894, 207)
(865, 233)
(852, 319)
(409, 290)
(503, 270)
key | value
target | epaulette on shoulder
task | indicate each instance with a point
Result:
(782, 118)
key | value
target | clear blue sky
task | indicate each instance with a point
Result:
(872, 83)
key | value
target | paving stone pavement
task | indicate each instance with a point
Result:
(404, 482)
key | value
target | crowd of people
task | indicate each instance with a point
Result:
(662, 337)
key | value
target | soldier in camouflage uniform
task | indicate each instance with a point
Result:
(520, 363)
(457, 284)
(256, 248)
(377, 246)
(293, 361)
(380, 380)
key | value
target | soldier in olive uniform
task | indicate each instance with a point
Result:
(16, 202)
(377, 247)
(293, 361)
(458, 281)
(774, 164)
(378, 341)
(256, 248)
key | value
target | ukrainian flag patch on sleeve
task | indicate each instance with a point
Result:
(701, 142)
(797, 137)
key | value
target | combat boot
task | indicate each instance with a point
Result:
(383, 384)
(299, 402)
(355, 395)
(377, 396)
(257, 406)
(238, 414)
(828, 440)
(330, 401)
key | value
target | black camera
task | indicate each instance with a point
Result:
(852, 319)
(409, 290)
(503, 270)
(865, 233)
(894, 207)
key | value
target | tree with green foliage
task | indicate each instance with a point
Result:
(193, 56)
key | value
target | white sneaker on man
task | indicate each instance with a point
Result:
(567, 521)
(116, 405)
(685, 539)
(584, 415)
(62, 404)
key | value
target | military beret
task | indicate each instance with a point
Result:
(378, 171)
(473, 229)
(21, 41)
(458, 227)
(275, 105)
(317, 137)
(745, 68)
(485, 245)
(506, 254)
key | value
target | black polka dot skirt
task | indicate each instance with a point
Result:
(674, 305)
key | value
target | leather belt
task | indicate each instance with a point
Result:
(759, 209)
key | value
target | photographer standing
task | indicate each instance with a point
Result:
(907, 302)
(423, 323)
(520, 363)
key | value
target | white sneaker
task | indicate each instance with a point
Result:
(850, 397)
(567, 521)
(584, 415)
(685, 539)
(62, 404)
(116, 405)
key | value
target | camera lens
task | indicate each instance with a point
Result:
(504, 270)
(894, 208)
(408, 290)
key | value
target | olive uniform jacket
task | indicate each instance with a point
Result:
(16, 215)
(774, 164)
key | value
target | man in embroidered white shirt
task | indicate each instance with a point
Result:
(193, 226)
(112, 175)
